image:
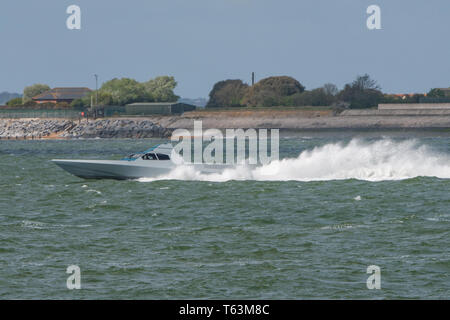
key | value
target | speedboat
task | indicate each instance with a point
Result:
(153, 162)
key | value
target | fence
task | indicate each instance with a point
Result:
(157, 108)
(18, 113)
(434, 100)
(99, 111)
(413, 106)
(111, 111)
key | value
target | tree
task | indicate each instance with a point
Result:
(79, 104)
(161, 89)
(123, 91)
(365, 83)
(316, 97)
(33, 90)
(436, 93)
(330, 89)
(272, 91)
(104, 99)
(14, 102)
(228, 93)
(361, 93)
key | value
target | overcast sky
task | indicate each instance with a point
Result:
(203, 41)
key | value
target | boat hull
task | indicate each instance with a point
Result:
(125, 170)
(114, 169)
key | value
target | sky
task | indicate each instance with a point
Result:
(200, 42)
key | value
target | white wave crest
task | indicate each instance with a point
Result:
(372, 161)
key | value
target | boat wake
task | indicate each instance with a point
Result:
(371, 161)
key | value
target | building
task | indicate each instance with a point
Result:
(446, 91)
(157, 108)
(56, 95)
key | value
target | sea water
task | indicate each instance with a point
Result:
(306, 226)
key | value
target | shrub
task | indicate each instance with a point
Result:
(436, 93)
(228, 93)
(14, 102)
(123, 91)
(316, 97)
(361, 93)
(161, 89)
(78, 104)
(272, 91)
(32, 91)
(30, 103)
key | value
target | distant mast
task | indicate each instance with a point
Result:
(96, 89)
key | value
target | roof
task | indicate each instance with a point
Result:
(63, 94)
(151, 104)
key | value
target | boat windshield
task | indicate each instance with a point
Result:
(162, 156)
(149, 156)
(134, 156)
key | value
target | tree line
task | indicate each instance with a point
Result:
(363, 92)
(117, 92)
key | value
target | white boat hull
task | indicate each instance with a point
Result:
(115, 169)
(153, 163)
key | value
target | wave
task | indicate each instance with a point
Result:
(358, 159)
(43, 225)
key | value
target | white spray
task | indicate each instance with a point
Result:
(372, 161)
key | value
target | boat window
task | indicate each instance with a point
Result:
(134, 156)
(149, 156)
(163, 156)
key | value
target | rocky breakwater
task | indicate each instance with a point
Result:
(68, 129)
(32, 129)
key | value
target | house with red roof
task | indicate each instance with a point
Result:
(56, 95)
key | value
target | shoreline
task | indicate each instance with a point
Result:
(163, 126)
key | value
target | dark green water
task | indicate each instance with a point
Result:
(310, 234)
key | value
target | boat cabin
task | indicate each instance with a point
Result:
(155, 156)
(158, 152)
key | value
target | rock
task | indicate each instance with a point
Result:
(103, 128)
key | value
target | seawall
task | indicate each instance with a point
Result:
(60, 129)
(414, 106)
(309, 119)
(162, 126)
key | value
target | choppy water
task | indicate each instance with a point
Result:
(337, 204)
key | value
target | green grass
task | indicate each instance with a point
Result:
(275, 108)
